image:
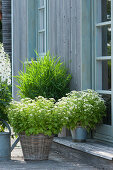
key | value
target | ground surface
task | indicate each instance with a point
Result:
(55, 162)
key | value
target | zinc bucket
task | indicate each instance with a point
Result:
(5, 145)
(79, 134)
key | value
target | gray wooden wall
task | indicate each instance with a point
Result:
(64, 35)
(68, 36)
(19, 41)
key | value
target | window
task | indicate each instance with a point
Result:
(103, 59)
(41, 27)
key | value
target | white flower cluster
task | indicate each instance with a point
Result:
(81, 108)
(5, 65)
(39, 105)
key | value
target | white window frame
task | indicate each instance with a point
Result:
(104, 131)
(44, 30)
(102, 58)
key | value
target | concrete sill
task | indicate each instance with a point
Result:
(91, 147)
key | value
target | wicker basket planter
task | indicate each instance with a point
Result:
(35, 116)
(35, 147)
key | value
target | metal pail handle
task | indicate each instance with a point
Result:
(7, 125)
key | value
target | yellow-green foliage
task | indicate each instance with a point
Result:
(82, 108)
(35, 116)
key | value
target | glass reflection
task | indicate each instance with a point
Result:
(104, 75)
(41, 19)
(107, 118)
(41, 42)
(41, 3)
(104, 41)
(106, 10)
(104, 14)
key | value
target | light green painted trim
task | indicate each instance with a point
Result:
(47, 24)
(103, 24)
(45, 30)
(104, 132)
(104, 137)
(96, 26)
(112, 60)
(45, 15)
(36, 5)
(86, 46)
(31, 29)
(93, 43)
(103, 58)
(95, 40)
(104, 91)
(12, 47)
(81, 41)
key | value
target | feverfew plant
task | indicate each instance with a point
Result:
(35, 116)
(83, 108)
(5, 66)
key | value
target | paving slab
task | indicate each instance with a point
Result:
(91, 147)
(55, 162)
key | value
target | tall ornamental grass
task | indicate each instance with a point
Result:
(47, 77)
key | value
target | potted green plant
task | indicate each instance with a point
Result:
(5, 85)
(5, 98)
(83, 110)
(46, 76)
(36, 122)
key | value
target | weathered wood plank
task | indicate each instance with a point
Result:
(78, 50)
(19, 38)
(73, 50)
(52, 27)
(64, 36)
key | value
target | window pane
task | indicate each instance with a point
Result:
(41, 3)
(41, 19)
(104, 41)
(104, 14)
(41, 42)
(104, 75)
(107, 119)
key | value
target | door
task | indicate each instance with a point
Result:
(103, 64)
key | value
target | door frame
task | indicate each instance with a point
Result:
(103, 132)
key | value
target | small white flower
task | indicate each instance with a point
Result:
(5, 66)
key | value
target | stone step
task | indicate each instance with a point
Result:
(92, 152)
(90, 147)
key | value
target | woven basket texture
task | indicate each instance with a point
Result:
(35, 147)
